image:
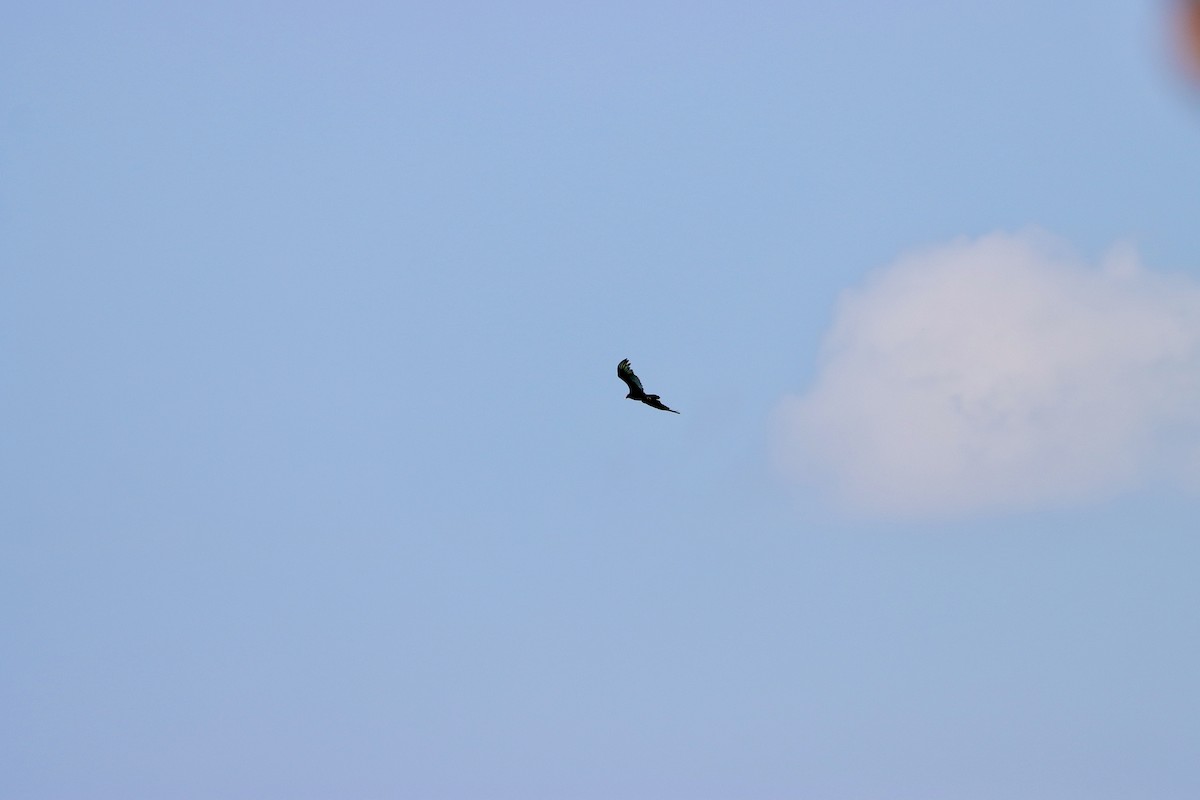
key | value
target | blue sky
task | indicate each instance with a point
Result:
(318, 480)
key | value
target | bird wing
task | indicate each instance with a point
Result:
(625, 373)
(653, 401)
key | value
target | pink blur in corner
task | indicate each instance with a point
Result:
(1186, 31)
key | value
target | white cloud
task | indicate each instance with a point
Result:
(1001, 373)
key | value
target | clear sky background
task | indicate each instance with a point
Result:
(316, 478)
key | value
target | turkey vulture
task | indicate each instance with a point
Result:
(636, 392)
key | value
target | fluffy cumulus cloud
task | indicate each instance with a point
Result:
(1001, 373)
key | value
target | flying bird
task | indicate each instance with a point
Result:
(636, 392)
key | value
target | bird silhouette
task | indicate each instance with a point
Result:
(636, 392)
